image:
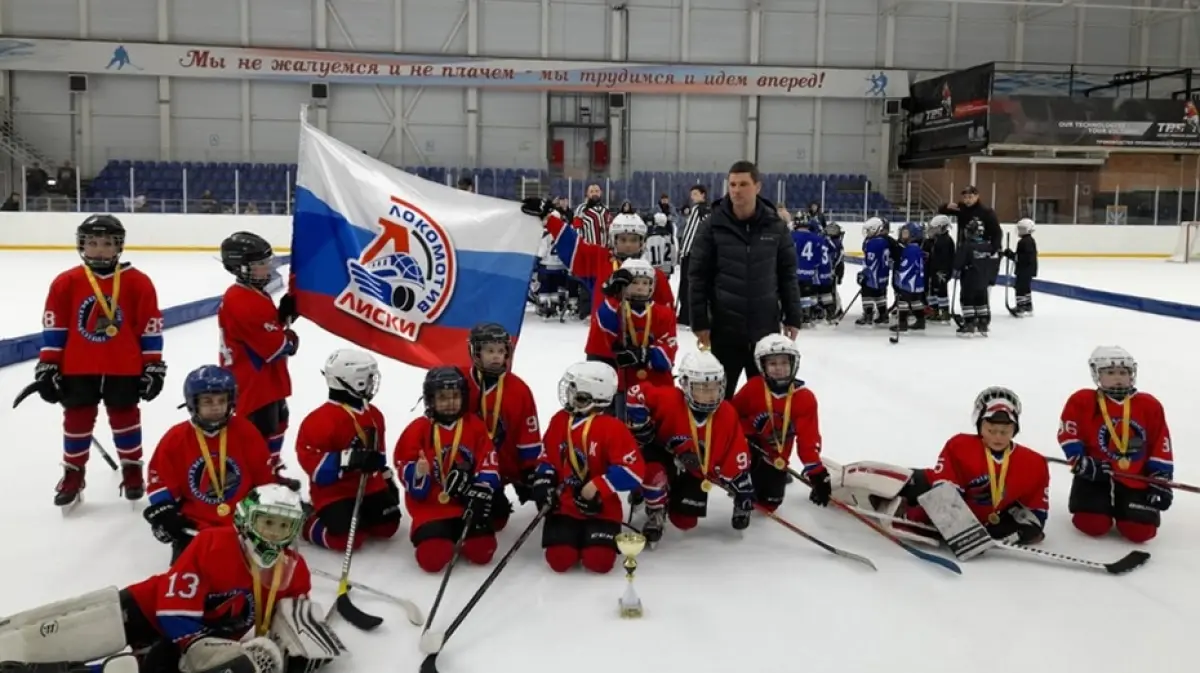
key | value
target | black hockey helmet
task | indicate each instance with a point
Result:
(100, 226)
(444, 378)
(489, 333)
(241, 251)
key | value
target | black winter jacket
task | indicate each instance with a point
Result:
(742, 275)
(992, 232)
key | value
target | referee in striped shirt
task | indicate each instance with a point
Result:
(698, 211)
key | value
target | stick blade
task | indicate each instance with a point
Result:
(855, 557)
(357, 618)
(429, 665)
(931, 558)
(1132, 561)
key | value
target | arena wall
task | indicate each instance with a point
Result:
(184, 233)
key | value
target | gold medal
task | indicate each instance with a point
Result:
(703, 449)
(706, 486)
(1120, 443)
(111, 330)
(216, 476)
(993, 518)
(642, 374)
(223, 510)
(109, 308)
(444, 497)
(1124, 463)
(996, 485)
(779, 434)
(780, 464)
(445, 463)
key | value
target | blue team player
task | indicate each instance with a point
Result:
(810, 248)
(909, 279)
(826, 299)
(877, 268)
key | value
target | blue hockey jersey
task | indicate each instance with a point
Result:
(810, 248)
(877, 262)
(910, 270)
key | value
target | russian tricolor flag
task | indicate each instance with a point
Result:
(400, 265)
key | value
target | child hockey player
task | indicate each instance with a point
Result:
(506, 405)
(825, 290)
(552, 282)
(690, 437)
(778, 412)
(660, 244)
(633, 333)
(877, 269)
(837, 250)
(1025, 267)
(909, 280)
(341, 442)
(810, 253)
(101, 342)
(1110, 431)
(975, 265)
(448, 466)
(205, 465)
(233, 580)
(256, 341)
(589, 458)
(940, 267)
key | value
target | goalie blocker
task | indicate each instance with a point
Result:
(91, 634)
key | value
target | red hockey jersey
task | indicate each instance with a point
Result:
(464, 443)
(654, 329)
(717, 439)
(595, 263)
(991, 482)
(253, 347)
(510, 415)
(101, 325)
(179, 473)
(777, 423)
(1135, 438)
(210, 588)
(324, 433)
(596, 449)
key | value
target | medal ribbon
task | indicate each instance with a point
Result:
(494, 421)
(632, 330)
(1121, 443)
(110, 310)
(358, 429)
(444, 465)
(218, 483)
(997, 486)
(581, 469)
(781, 442)
(703, 451)
(263, 613)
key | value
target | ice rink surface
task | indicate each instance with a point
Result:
(715, 601)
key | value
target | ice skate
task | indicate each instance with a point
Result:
(133, 485)
(69, 492)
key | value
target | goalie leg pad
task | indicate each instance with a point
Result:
(870, 485)
(963, 533)
(84, 628)
(307, 641)
(217, 655)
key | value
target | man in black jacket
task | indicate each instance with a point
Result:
(742, 276)
(970, 208)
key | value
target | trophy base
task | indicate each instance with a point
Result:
(630, 605)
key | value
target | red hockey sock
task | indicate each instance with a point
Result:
(599, 559)
(78, 423)
(1095, 525)
(561, 557)
(126, 424)
(682, 521)
(383, 531)
(479, 550)
(1137, 532)
(434, 555)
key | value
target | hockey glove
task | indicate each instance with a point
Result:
(914, 488)
(1009, 254)
(688, 461)
(742, 488)
(478, 502)
(167, 523)
(644, 433)
(287, 309)
(630, 357)
(1017, 525)
(822, 488)
(363, 460)
(49, 382)
(541, 487)
(617, 282)
(860, 278)
(1158, 496)
(153, 376)
(458, 481)
(293, 342)
(536, 206)
(1091, 469)
(586, 506)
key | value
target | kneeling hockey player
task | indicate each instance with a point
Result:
(448, 466)
(588, 459)
(231, 580)
(341, 442)
(1110, 431)
(779, 412)
(690, 437)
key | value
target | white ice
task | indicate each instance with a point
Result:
(768, 601)
(1152, 278)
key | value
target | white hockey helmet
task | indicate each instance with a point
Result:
(640, 268)
(1107, 358)
(353, 371)
(702, 371)
(997, 404)
(587, 386)
(1024, 226)
(627, 223)
(939, 224)
(777, 344)
(660, 219)
(873, 227)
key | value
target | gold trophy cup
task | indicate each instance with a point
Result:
(630, 544)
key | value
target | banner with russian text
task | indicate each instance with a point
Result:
(948, 115)
(421, 70)
(1133, 123)
(400, 265)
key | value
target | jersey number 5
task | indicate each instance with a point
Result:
(182, 585)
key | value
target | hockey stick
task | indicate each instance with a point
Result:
(441, 592)
(956, 317)
(29, 390)
(433, 642)
(410, 608)
(104, 454)
(842, 312)
(343, 605)
(1011, 280)
(1131, 561)
(1142, 478)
